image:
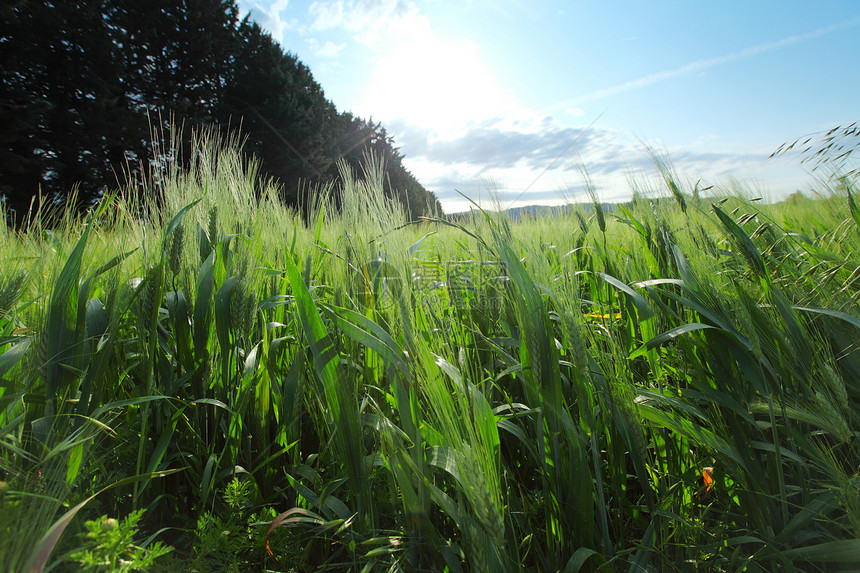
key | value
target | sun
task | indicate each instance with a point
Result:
(434, 82)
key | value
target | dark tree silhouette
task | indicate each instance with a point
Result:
(85, 83)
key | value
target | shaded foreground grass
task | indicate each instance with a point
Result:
(363, 392)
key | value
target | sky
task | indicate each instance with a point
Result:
(520, 102)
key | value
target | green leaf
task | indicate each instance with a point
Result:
(852, 208)
(177, 219)
(834, 313)
(60, 326)
(13, 355)
(743, 242)
(213, 402)
(817, 508)
(45, 546)
(844, 551)
(96, 319)
(164, 442)
(443, 458)
(368, 333)
(417, 244)
(579, 557)
(341, 404)
(640, 301)
(203, 306)
(698, 434)
(76, 458)
(645, 552)
(325, 354)
(127, 402)
(223, 316)
(674, 333)
(208, 478)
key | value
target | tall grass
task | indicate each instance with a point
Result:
(422, 395)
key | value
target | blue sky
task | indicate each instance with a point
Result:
(513, 99)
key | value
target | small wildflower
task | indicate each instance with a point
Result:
(708, 475)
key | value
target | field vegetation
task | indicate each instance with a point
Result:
(201, 378)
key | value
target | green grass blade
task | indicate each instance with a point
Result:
(843, 551)
(325, 354)
(742, 241)
(670, 335)
(698, 434)
(844, 316)
(342, 407)
(640, 301)
(60, 327)
(579, 557)
(177, 219)
(45, 546)
(368, 333)
(816, 509)
(12, 355)
(203, 306)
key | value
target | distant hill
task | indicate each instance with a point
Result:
(538, 211)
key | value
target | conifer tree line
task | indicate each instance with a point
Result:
(84, 83)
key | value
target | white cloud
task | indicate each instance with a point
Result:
(327, 49)
(540, 163)
(516, 161)
(368, 20)
(271, 18)
(326, 14)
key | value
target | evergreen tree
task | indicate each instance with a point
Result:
(55, 76)
(85, 83)
(281, 108)
(176, 56)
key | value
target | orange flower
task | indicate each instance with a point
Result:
(708, 474)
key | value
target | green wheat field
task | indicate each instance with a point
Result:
(199, 378)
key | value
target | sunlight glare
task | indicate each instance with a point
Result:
(434, 82)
